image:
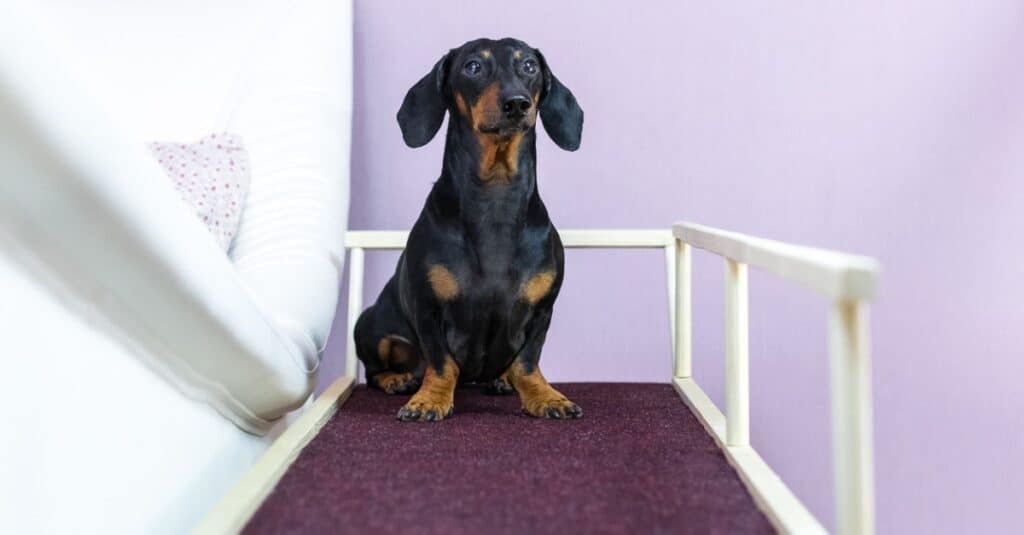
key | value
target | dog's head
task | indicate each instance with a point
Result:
(497, 88)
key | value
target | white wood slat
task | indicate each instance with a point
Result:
(772, 496)
(609, 239)
(236, 507)
(836, 275)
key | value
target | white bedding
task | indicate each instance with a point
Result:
(83, 86)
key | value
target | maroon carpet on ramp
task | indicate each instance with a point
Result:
(638, 461)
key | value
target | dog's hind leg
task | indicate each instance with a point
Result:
(400, 359)
(386, 349)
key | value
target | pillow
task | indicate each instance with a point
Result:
(212, 178)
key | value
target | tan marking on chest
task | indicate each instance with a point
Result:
(443, 282)
(499, 157)
(538, 286)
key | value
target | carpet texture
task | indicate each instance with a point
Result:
(638, 462)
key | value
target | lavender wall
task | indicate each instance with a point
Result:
(892, 129)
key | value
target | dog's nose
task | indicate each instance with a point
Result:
(516, 106)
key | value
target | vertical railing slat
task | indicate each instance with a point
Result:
(670, 272)
(851, 417)
(355, 307)
(737, 366)
(683, 342)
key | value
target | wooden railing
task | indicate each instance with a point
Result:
(358, 241)
(847, 281)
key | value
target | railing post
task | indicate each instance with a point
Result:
(853, 463)
(683, 342)
(355, 307)
(737, 366)
(670, 282)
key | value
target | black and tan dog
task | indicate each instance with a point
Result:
(471, 298)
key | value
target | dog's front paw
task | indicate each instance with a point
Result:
(425, 409)
(435, 399)
(557, 408)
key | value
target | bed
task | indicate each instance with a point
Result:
(179, 363)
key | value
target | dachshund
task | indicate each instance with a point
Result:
(471, 298)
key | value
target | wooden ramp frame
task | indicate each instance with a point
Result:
(847, 281)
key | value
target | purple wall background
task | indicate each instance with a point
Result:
(889, 130)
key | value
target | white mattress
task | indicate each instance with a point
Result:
(82, 205)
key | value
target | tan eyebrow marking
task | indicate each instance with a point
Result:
(486, 53)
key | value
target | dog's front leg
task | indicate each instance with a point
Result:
(435, 400)
(539, 398)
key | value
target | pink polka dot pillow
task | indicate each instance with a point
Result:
(212, 178)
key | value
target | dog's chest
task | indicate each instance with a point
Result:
(506, 272)
(509, 289)
(486, 322)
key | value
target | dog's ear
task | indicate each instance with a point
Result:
(423, 109)
(561, 115)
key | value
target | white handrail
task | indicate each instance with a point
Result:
(849, 281)
(590, 238)
(837, 275)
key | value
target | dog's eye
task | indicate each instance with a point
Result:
(472, 67)
(530, 66)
